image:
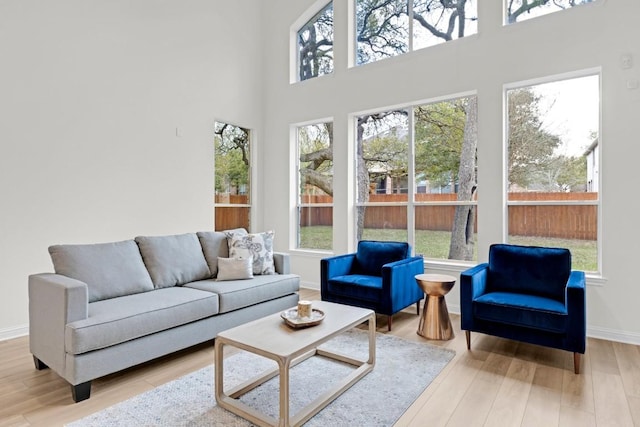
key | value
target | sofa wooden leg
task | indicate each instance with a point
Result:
(418, 308)
(81, 392)
(576, 363)
(40, 365)
(389, 323)
(468, 335)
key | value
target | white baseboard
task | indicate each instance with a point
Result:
(14, 332)
(613, 335)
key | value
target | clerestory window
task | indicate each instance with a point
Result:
(386, 28)
(315, 45)
(521, 10)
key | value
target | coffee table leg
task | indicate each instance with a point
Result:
(218, 370)
(284, 391)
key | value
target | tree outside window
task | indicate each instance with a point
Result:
(315, 45)
(386, 28)
(315, 182)
(521, 10)
(232, 176)
(430, 199)
(553, 167)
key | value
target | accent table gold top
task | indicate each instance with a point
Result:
(435, 284)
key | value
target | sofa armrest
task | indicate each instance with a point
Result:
(402, 272)
(334, 267)
(576, 302)
(399, 283)
(54, 301)
(282, 262)
(473, 283)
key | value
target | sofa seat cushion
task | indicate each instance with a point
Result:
(530, 311)
(235, 294)
(173, 260)
(358, 286)
(118, 320)
(109, 269)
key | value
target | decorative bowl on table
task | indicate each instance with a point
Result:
(292, 319)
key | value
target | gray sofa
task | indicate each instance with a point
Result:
(110, 306)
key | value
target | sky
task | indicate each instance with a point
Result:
(572, 112)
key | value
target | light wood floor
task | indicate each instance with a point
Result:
(497, 383)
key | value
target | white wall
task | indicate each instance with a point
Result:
(91, 94)
(586, 37)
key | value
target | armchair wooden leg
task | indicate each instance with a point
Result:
(418, 308)
(389, 323)
(468, 335)
(576, 363)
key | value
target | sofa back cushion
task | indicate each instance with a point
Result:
(173, 260)
(214, 245)
(529, 270)
(372, 255)
(109, 269)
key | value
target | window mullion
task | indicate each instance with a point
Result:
(411, 181)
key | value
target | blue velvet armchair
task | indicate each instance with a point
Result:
(528, 294)
(379, 276)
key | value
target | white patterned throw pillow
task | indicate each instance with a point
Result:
(256, 245)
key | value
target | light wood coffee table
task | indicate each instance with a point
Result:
(270, 337)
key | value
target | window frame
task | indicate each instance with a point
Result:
(411, 204)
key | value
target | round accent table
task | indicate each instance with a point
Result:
(435, 323)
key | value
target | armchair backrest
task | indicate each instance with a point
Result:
(529, 270)
(372, 255)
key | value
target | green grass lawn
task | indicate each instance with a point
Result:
(435, 244)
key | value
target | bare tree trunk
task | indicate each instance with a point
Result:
(363, 181)
(462, 243)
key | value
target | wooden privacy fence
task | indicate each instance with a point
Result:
(560, 221)
(228, 217)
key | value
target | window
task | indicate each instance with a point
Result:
(416, 177)
(387, 28)
(521, 10)
(445, 177)
(553, 167)
(315, 182)
(232, 176)
(382, 164)
(315, 45)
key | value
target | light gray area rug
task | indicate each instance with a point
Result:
(403, 370)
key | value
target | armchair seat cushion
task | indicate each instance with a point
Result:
(357, 286)
(524, 310)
